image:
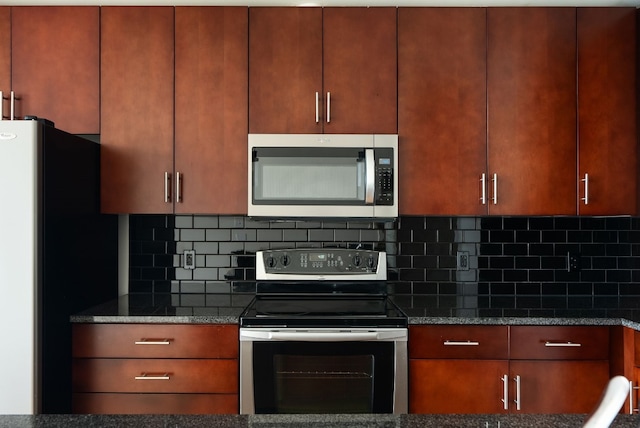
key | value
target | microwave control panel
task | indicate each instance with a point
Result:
(320, 261)
(384, 176)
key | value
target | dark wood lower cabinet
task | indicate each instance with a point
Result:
(500, 369)
(155, 368)
(456, 386)
(110, 403)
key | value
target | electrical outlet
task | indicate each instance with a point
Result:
(573, 262)
(462, 260)
(189, 259)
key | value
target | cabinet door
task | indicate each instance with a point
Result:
(285, 70)
(442, 110)
(211, 110)
(56, 65)
(532, 109)
(607, 110)
(558, 386)
(5, 52)
(360, 70)
(457, 386)
(137, 74)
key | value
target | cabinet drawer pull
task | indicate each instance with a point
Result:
(153, 342)
(328, 107)
(562, 344)
(460, 343)
(518, 399)
(317, 108)
(151, 376)
(483, 192)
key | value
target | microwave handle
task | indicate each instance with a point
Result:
(370, 172)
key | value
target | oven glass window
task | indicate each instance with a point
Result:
(323, 377)
(308, 385)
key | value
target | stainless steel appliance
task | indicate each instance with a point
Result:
(315, 175)
(58, 256)
(322, 336)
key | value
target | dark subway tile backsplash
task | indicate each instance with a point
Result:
(515, 266)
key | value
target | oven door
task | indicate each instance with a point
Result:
(323, 371)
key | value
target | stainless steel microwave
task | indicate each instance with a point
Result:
(323, 175)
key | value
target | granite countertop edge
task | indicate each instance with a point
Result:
(213, 319)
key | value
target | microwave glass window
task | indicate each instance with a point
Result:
(309, 179)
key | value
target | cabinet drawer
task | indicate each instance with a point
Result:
(459, 341)
(107, 403)
(155, 341)
(559, 343)
(155, 375)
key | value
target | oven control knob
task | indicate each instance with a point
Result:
(285, 259)
(271, 262)
(357, 260)
(371, 262)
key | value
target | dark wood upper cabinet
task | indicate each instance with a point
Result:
(56, 64)
(531, 86)
(137, 74)
(5, 50)
(285, 70)
(314, 70)
(442, 110)
(607, 137)
(211, 96)
(360, 70)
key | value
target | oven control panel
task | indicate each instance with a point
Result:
(334, 261)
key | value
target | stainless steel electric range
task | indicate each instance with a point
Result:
(322, 336)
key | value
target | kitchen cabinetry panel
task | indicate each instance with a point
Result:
(211, 118)
(107, 403)
(298, 55)
(456, 386)
(442, 110)
(56, 65)
(607, 110)
(156, 375)
(531, 86)
(559, 342)
(154, 341)
(137, 73)
(285, 70)
(180, 368)
(459, 342)
(513, 372)
(559, 386)
(360, 70)
(5, 51)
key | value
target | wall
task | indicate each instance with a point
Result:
(517, 265)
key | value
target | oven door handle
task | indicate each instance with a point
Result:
(323, 336)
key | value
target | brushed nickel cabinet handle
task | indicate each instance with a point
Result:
(460, 343)
(585, 180)
(167, 187)
(505, 392)
(562, 344)
(483, 184)
(150, 376)
(328, 107)
(518, 398)
(153, 342)
(495, 189)
(317, 108)
(178, 187)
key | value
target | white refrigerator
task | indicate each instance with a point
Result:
(58, 256)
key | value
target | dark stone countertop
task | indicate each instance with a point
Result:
(302, 421)
(226, 309)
